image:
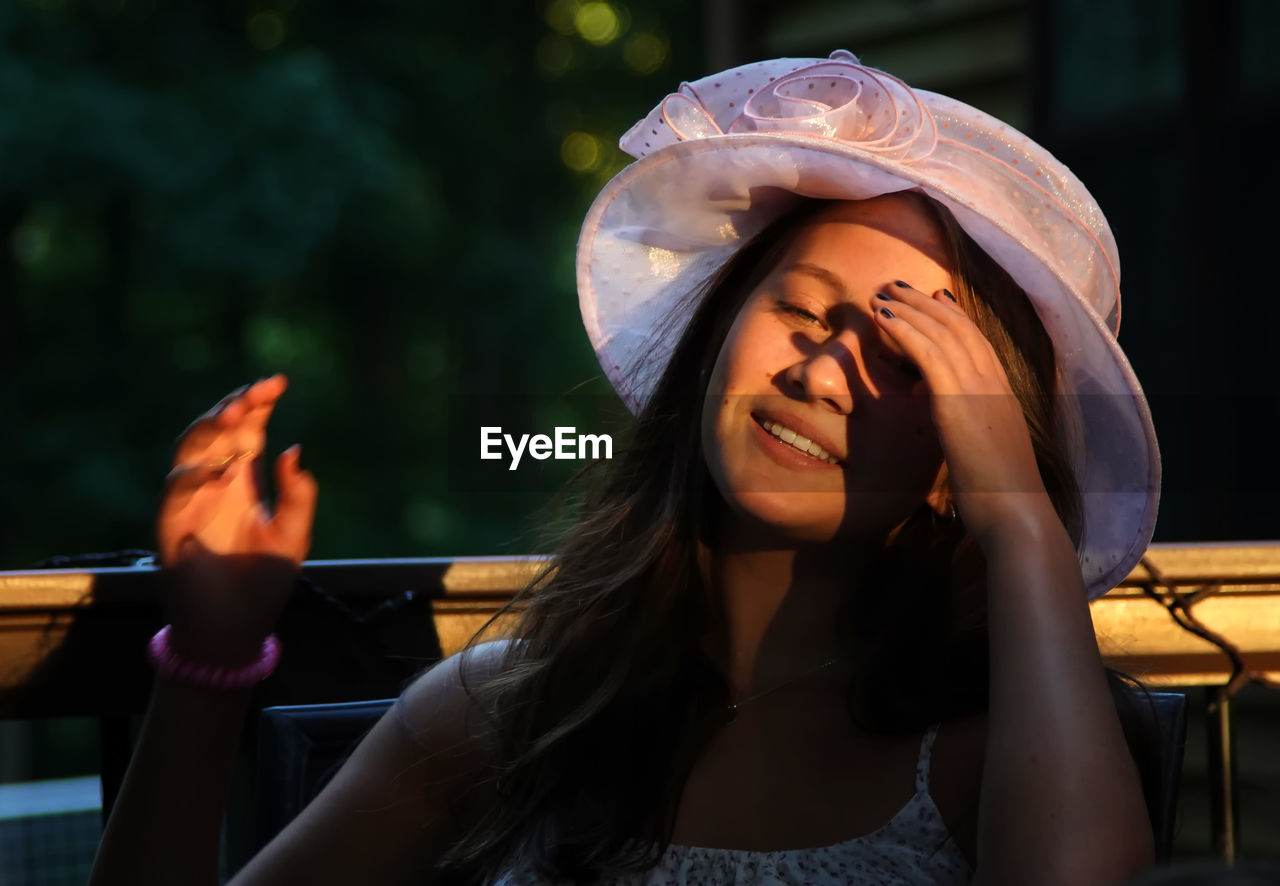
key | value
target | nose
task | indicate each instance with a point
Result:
(827, 374)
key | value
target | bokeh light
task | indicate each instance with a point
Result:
(265, 30)
(31, 243)
(426, 520)
(645, 53)
(580, 151)
(285, 344)
(560, 15)
(597, 23)
(612, 161)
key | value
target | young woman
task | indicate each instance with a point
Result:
(825, 618)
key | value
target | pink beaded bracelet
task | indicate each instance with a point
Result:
(169, 664)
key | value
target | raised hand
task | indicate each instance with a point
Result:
(979, 420)
(230, 563)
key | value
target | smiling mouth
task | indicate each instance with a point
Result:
(797, 442)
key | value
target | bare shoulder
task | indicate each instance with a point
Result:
(956, 779)
(438, 710)
(411, 787)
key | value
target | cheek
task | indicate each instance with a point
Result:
(901, 438)
(920, 450)
(714, 407)
(725, 382)
(725, 374)
(752, 352)
(729, 381)
(719, 374)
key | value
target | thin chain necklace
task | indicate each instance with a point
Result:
(732, 708)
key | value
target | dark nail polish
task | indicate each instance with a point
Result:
(947, 293)
(900, 283)
(883, 297)
(888, 313)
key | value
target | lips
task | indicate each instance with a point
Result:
(799, 435)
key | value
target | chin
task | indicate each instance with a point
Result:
(792, 517)
(805, 518)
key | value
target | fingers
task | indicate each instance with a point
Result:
(235, 425)
(296, 493)
(262, 394)
(935, 332)
(185, 479)
(204, 502)
(939, 311)
(213, 491)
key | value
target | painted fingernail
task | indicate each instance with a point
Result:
(947, 293)
(883, 297)
(900, 283)
(887, 313)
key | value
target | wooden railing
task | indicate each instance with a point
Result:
(71, 640)
(1240, 602)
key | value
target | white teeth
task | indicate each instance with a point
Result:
(804, 444)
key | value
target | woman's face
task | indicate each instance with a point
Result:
(805, 360)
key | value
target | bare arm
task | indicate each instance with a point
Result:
(390, 810)
(167, 820)
(230, 564)
(1061, 801)
(400, 800)
(1061, 796)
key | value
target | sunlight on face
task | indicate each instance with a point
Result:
(805, 364)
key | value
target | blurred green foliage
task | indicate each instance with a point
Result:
(379, 199)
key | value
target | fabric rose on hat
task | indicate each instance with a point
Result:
(838, 98)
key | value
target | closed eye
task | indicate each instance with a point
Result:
(808, 318)
(903, 365)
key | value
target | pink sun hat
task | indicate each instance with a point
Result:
(721, 158)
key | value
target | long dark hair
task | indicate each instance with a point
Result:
(604, 698)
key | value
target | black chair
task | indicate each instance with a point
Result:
(300, 747)
(1170, 709)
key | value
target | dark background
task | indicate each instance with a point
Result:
(381, 200)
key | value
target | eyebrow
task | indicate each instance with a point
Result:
(820, 273)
